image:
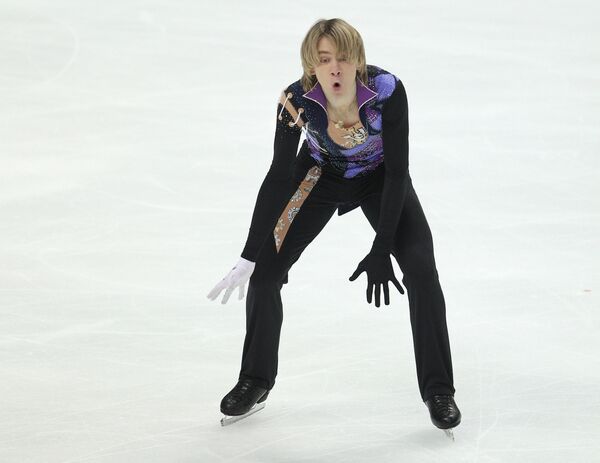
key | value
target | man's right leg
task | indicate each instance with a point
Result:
(309, 209)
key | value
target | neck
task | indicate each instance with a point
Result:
(342, 107)
(342, 110)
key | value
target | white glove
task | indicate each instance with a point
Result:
(237, 277)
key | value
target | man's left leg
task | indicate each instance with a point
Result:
(413, 250)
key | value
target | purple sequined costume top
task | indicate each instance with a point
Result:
(383, 112)
(361, 159)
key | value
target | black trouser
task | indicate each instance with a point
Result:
(413, 250)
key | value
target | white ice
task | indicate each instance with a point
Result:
(133, 139)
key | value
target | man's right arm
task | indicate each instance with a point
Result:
(275, 189)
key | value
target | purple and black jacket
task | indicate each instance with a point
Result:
(383, 112)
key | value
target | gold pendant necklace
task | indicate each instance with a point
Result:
(353, 136)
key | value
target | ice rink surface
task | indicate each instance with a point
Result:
(133, 139)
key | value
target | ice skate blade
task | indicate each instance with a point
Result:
(449, 433)
(227, 420)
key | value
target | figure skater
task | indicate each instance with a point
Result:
(355, 154)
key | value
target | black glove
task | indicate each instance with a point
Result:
(379, 271)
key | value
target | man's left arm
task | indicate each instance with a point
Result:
(377, 264)
(395, 159)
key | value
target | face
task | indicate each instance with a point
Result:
(336, 75)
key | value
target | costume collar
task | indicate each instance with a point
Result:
(363, 94)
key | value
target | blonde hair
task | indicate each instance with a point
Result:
(347, 41)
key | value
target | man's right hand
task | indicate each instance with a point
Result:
(236, 278)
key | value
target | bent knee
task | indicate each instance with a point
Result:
(417, 262)
(268, 278)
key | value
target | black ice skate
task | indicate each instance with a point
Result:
(245, 399)
(444, 413)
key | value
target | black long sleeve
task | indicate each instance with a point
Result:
(273, 194)
(395, 159)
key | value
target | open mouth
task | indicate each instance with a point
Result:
(337, 85)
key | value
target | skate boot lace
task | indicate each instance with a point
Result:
(443, 404)
(240, 390)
